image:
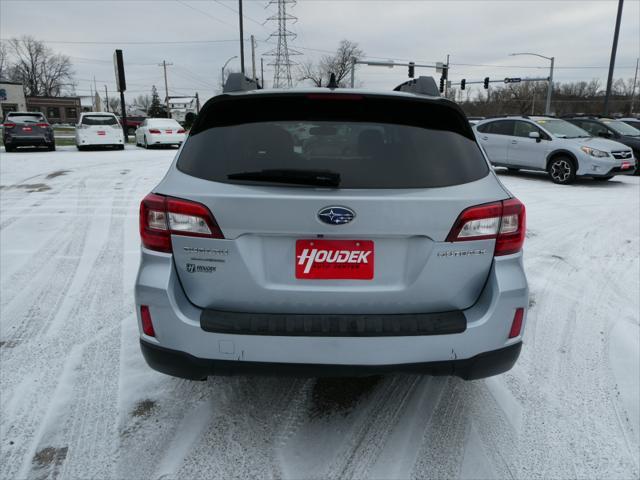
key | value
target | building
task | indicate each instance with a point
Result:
(11, 97)
(56, 109)
(183, 108)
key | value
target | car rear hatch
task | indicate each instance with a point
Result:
(100, 127)
(329, 203)
(27, 126)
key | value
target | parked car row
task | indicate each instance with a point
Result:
(94, 129)
(566, 149)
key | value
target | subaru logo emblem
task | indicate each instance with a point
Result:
(336, 215)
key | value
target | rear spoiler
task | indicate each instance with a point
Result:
(238, 82)
(420, 85)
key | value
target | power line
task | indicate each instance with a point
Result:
(236, 12)
(146, 42)
(205, 13)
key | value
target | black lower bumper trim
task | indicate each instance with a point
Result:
(183, 365)
(317, 325)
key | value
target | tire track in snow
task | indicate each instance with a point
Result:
(86, 427)
(246, 426)
(97, 378)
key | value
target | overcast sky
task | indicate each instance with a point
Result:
(201, 35)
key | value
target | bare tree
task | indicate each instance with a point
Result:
(114, 104)
(339, 63)
(3, 60)
(41, 71)
(143, 102)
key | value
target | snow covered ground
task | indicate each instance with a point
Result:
(78, 401)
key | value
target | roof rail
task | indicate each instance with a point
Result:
(420, 85)
(238, 82)
(509, 115)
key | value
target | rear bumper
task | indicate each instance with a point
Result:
(183, 365)
(180, 334)
(100, 140)
(20, 141)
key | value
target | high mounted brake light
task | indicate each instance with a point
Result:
(334, 96)
(503, 221)
(161, 217)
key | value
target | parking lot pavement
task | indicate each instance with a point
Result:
(78, 400)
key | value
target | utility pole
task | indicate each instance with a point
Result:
(612, 63)
(253, 59)
(164, 65)
(106, 97)
(633, 90)
(446, 78)
(262, 72)
(197, 103)
(241, 37)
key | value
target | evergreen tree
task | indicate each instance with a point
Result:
(156, 110)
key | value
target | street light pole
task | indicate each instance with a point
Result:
(225, 66)
(547, 107)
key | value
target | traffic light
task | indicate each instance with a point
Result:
(442, 80)
(463, 83)
(412, 69)
(486, 83)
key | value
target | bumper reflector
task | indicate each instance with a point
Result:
(147, 325)
(516, 326)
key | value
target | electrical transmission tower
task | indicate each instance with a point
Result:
(282, 53)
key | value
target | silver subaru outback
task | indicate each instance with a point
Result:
(326, 232)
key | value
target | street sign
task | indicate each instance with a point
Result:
(118, 65)
(512, 80)
(439, 67)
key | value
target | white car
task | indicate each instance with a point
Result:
(99, 129)
(160, 131)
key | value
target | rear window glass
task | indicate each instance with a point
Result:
(99, 120)
(163, 123)
(365, 154)
(23, 118)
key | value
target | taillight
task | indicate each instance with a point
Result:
(9, 125)
(147, 324)
(161, 217)
(154, 131)
(505, 221)
(42, 125)
(182, 130)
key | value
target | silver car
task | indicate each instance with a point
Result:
(553, 145)
(327, 232)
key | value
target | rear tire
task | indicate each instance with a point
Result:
(120, 147)
(145, 145)
(52, 147)
(562, 170)
(9, 148)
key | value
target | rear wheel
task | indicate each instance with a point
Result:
(51, 147)
(120, 147)
(9, 148)
(145, 145)
(562, 171)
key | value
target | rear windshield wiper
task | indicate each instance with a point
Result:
(319, 178)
